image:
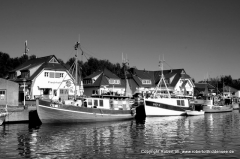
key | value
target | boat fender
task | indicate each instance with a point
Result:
(133, 111)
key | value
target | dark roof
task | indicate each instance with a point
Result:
(33, 63)
(203, 85)
(177, 73)
(155, 76)
(229, 89)
(43, 63)
(94, 74)
(104, 75)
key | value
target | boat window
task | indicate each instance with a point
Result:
(89, 101)
(101, 103)
(182, 103)
(178, 102)
(95, 102)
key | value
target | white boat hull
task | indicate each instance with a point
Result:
(74, 114)
(217, 109)
(164, 107)
(194, 113)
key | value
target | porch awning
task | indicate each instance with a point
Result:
(43, 88)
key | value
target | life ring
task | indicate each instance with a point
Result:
(27, 97)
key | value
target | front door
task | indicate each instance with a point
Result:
(63, 94)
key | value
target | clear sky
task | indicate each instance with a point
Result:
(201, 36)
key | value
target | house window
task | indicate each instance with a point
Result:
(13, 75)
(146, 81)
(94, 92)
(114, 81)
(87, 81)
(2, 94)
(25, 74)
(46, 74)
(61, 74)
(101, 103)
(95, 102)
(57, 75)
(89, 101)
(51, 74)
(63, 91)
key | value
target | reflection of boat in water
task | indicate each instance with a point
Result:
(3, 115)
(86, 109)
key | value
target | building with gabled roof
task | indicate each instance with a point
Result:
(44, 77)
(204, 89)
(178, 82)
(103, 81)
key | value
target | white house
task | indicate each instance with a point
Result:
(44, 77)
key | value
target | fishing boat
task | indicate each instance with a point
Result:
(86, 109)
(212, 105)
(163, 104)
(3, 115)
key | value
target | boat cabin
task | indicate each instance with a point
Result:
(107, 103)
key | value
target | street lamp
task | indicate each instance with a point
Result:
(24, 82)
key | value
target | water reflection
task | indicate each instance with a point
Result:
(126, 139)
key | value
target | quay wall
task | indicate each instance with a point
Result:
(19, 115)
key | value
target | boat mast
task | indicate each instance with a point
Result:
(127, 87)
(76, 71)
(161, 79)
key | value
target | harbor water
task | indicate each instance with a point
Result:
(213, 135)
